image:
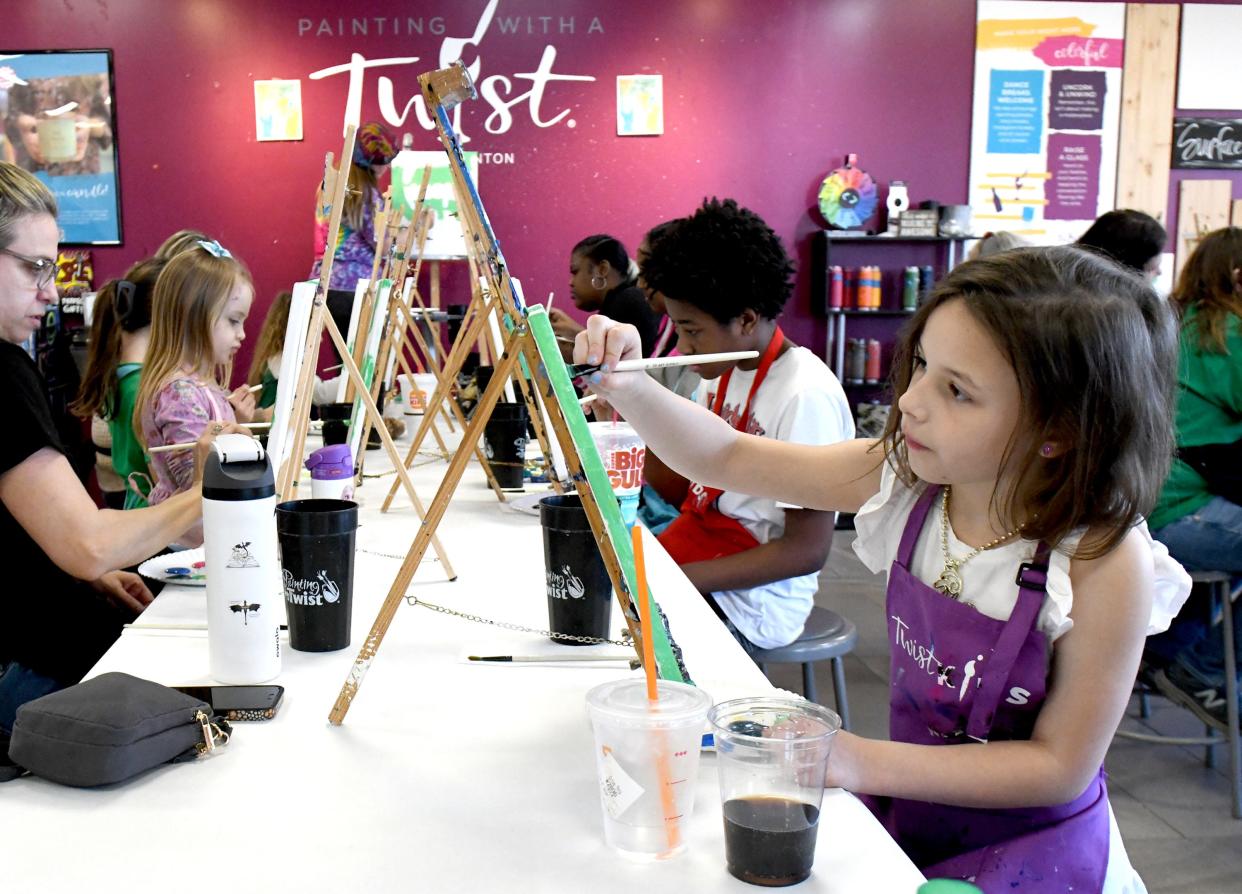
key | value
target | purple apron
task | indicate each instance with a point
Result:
(958, 676)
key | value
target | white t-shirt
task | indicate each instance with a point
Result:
(988, 583)
(800, 401)
(988, 580)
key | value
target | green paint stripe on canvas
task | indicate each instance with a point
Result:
(597, 477)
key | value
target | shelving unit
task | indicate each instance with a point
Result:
(892, 254)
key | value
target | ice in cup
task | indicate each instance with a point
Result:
(623, 453)
(647, 758)
(771, 754)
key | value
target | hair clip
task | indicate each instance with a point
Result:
(214, 248)
(124, 301)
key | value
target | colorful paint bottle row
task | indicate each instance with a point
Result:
(854, 288)
(862, 361)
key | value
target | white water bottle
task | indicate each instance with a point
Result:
(244, 596)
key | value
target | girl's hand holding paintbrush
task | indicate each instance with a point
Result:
(242, 400)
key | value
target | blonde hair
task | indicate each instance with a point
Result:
(190, 294)
(178, 242)
(22, 194)
(271, 337)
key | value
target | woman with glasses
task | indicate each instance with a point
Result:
(64, 603)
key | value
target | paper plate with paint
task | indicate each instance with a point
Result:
(188, 568)
(526, 504)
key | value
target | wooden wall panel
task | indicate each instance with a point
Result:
(1147, 86)
(1202, 206)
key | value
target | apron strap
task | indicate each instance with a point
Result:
(914, 525)
(1032, 581)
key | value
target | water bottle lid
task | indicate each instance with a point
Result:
(331, 462)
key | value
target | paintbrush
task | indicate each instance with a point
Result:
(578, 370)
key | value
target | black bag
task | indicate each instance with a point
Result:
(1220, 465)
(110, 728)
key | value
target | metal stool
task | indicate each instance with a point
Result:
(826, 635)
(1217, 584)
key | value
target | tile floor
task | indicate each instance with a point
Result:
(1173, 811)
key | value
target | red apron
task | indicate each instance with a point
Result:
(701, 532)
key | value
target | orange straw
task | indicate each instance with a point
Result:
(644, 614)
(667, 802)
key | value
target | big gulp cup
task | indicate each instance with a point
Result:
(623, 453)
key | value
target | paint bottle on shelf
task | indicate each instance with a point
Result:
(866, 286)
(910, 289)
(871, 368)
(849, 290)
(836, 288)
(927, 278)
(877, 295)
(856, 362)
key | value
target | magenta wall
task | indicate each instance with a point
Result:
(762, 100)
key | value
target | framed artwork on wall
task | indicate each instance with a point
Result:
(640, 105)
(60, 124)
(278, 110)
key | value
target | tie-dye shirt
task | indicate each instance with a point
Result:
(354, 252)
(179, 413)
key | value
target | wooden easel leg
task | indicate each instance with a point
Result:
(435, 513)
(452, 366)
(386, 438)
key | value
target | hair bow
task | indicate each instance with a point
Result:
(214, 248)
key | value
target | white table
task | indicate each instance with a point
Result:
(446, 775)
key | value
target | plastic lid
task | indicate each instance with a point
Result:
(332, 461)
(625, 701)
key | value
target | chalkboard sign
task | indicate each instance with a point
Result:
(1207, 143)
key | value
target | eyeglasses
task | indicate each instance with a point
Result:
(42, 269)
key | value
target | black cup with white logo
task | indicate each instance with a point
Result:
(317, 570)
(579, 589)
(504, 442)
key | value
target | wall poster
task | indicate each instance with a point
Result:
(1047, 111)
(60, 124)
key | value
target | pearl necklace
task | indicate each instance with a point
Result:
(950, 581)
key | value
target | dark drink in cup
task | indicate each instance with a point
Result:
(770, 841)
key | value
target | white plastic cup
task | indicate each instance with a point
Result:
(416, 391)
(647, 753)
(624, 454)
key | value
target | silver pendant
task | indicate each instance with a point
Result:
(949, 583)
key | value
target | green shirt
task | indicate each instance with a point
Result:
(1209, 411)
(127, 454)
(267, 397)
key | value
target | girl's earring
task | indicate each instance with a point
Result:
(598, 282)
(1045, 451)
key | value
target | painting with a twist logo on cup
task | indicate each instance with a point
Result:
(299, 591)
(564, 584)
(519, 444)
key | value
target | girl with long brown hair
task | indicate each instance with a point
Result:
(202, 299)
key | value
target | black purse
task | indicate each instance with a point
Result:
(108, 729)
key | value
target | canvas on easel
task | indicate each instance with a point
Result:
(527, 336)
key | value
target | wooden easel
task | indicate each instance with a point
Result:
(528, 336)
(483, 307)
(290, 471)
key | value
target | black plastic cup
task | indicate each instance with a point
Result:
(504, 439)
(578, 586)
(317, 561)
(336, 422)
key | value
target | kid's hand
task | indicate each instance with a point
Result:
(605, 342)
(125, 590)
(203, 447)
(563, 324)
(243, 403)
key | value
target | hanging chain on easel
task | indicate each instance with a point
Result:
(517, 628)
